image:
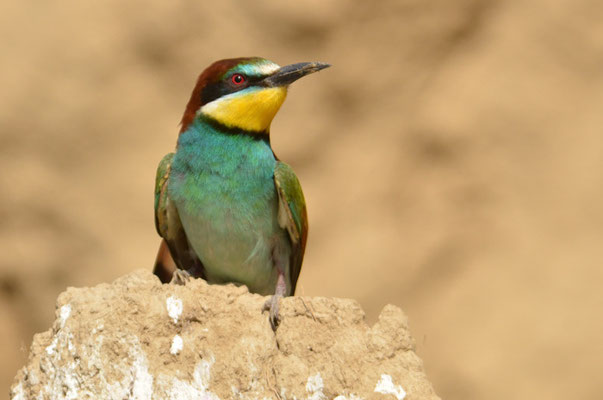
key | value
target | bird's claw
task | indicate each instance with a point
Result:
(180, 277)
(272, 305)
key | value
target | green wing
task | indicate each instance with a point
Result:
(292, 215)
(169, 226)
(161, 181)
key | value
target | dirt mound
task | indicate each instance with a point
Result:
(137, 338)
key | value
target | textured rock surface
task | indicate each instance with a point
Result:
(139, 339)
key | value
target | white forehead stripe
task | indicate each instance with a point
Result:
(264, 68)
(268, 68)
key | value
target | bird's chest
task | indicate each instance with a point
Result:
(230, 187)
(228, 206)
(232, 203)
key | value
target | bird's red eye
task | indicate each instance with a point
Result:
(237, 79)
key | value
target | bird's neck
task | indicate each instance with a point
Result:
(206, 145)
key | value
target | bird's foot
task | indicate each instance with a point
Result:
(180, 277)
(272, 305)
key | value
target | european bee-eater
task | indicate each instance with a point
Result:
(227, 208)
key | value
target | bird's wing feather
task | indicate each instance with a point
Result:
(292, 215)
(169, 226)
(161, 184)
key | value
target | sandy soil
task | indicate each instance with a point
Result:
(137, 338)
(451, 160)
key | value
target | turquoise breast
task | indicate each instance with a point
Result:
(223, 187)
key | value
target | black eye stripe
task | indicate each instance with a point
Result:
(251, 79)
(211, 92)
(225, 86)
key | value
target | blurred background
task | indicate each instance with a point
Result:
(452, 161)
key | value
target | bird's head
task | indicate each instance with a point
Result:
(243, 93)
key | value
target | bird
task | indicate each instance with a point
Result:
(227, 209)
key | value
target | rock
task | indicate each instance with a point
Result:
(139, 339)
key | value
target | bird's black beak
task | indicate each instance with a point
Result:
(290, 73)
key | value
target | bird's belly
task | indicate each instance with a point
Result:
(234, 233)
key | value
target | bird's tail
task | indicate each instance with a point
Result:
(164, 263)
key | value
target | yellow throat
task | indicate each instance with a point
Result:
(251, 109)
